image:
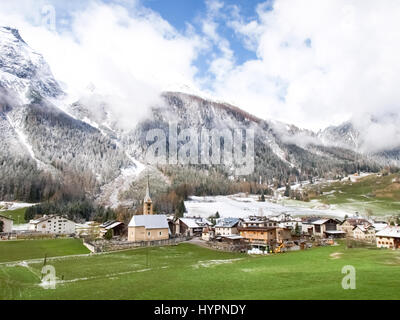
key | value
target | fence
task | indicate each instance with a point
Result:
(114, 245)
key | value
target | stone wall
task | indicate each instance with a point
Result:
(114, 245)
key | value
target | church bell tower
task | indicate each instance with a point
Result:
(147, 204)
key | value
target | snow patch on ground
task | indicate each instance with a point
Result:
(10, 205)
(241, 207)
(211, 263)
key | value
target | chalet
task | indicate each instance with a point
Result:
(117, 228)
(327, 228)
(192, 226)
(364, 232)
(207, 234)
(259, 223)
(307, 225)
(349, 225)
(6, 224)
(52, 225)
(265, 235)
(388, 238)
(149, 226)
(89, 228)
(281, 217)
(227, 226)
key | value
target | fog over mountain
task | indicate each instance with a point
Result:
(58, 149)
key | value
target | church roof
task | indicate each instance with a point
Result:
(156, 221)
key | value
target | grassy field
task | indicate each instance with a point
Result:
(33, 249)
(18, 215)
(190, 272)
(372, 194)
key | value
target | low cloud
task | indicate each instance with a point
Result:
(316, 65)
(123, 57)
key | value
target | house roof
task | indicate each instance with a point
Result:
(110, 224)
(6, 217)
(195, 222)
(232, 237)
(363, 227)
(392, 232)
(227, 223)
(334, 232)
(257, 228)
(156, 221)
(354, 222)
(44, 218)
(380, 225)
(322, 221)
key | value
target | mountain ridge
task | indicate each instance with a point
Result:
(82, 149)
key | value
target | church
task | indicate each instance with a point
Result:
(149, 226)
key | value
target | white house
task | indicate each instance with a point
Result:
(52, 225)
(191, 226)
(365, 232)
(6, 224)
(388, 238)
(227, 226)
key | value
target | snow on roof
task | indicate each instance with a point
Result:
(110, 224)
(44, 218)
(156, 221)
(195, 222)
(363, 227)
(380, 226)
(227, 222)
(393, 232)
(334, 232)
(322, 221)
(232, 237)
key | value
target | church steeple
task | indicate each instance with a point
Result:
(147, 204)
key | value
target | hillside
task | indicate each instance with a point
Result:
(374, 194)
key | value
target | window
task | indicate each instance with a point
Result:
(160, 233)
(148, 233)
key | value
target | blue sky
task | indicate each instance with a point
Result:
(179, 13)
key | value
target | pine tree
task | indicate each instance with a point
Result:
(262, 196)
(287, 191)
(109, 234)
(180, 209)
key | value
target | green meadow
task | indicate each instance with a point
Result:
(17, 215)
(37, 249)
(373, 195)
(187, 271)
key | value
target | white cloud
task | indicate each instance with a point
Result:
(127, 56)
(318, 63)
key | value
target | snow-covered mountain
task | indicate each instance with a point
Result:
(51, 153)
(375, 137)
(24, 72)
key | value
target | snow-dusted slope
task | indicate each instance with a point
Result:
(84, 145)
(23, 71)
